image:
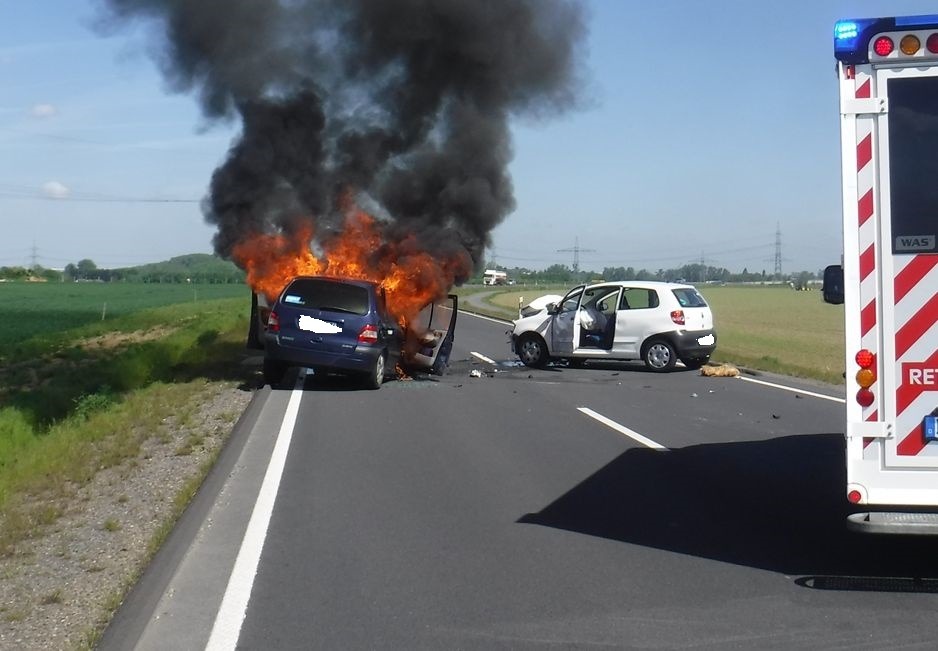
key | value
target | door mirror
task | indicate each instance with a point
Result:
(833, 288)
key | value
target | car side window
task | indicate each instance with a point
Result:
(634, 298)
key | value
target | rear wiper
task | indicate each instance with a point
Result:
(329, 308)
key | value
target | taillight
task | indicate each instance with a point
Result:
(865, 377)
(678, 317)
(273, 322)
(932, 44)
(368, 335)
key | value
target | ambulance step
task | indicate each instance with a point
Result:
(896, 523)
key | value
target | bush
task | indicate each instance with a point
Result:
(87, 404)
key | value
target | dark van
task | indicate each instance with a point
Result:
(342, 325)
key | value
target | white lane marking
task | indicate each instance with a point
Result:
(793, 390)
(483, 357)
(227, 627)
(486, 318)
(622, 429)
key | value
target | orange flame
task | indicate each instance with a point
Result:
(411, 277)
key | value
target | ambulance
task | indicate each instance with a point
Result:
(887, 71)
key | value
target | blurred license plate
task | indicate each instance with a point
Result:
(705, 341)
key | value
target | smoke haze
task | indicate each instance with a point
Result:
(403, 105)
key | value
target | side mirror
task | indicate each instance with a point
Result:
(833, 289)
(553, 308)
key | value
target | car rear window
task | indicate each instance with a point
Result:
(689, 297)
(330, 295)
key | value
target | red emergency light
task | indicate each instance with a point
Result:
(932, 43)
(883, 46)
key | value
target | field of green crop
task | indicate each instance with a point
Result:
(29, 310)
(770, 328)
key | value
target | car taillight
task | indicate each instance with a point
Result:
(368, 335)
(678, 317)
(273, 322)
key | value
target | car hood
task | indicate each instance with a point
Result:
(539, 304)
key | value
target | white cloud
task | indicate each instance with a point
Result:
(54, 190)
(44, 111)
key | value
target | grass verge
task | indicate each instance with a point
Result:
(93, 409)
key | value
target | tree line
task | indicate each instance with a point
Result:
(691, 273)
(195, 268)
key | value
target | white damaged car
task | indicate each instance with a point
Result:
(656, 322)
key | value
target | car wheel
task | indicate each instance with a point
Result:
(695, 364)
(659, 356)
(374, 378)
(273, 372)
(532, 351)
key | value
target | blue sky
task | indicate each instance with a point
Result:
(703, 127)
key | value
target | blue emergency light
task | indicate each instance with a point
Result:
(931, 426)
(852, 37)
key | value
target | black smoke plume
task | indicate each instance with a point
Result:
(403, 104)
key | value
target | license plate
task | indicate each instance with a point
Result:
(319, 326)
(705, 341)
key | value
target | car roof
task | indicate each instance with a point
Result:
(339, 279)
(641, 284)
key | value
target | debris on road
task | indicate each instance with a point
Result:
(723, 370)
(475, 373)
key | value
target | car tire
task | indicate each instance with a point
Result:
(695, 364)
(274, 371)
(532, 351)
(659, 356)
(375, 377)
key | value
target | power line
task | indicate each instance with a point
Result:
(576, 253)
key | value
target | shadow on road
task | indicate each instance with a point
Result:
(777, 505)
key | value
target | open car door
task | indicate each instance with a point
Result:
(438, 323)
(259, 313)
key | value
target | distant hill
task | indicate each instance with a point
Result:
(194, 267)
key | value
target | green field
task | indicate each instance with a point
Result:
(31, 310)
(770, 328)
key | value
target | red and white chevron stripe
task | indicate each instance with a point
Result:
(916, 298)
(866, 232)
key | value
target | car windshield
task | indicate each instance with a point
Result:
(689, 297)
(327, 295)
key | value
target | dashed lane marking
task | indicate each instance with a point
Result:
(794, 390)
(622, 429)
(483, 357)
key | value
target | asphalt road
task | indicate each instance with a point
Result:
(494, 512)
